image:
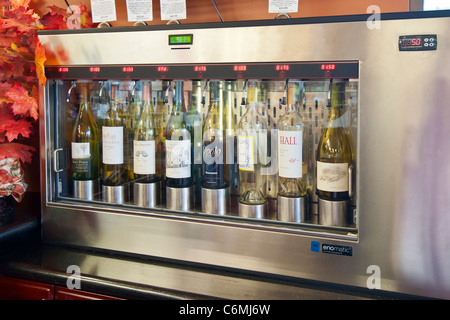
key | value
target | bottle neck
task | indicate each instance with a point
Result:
(334, 113)
(146, 100)
(228, 105)
(337, 100)
(252, 96)
(215, 95)
(196, 96)
(290, 99)
(178, 97)
(292, 107)
(84, 98)
(114, 96)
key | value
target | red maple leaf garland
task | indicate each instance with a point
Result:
(59, 18)
(21, 69)
(22, 59)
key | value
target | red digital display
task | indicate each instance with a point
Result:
(328, 67)
(63, 69)
(411, 42)
(282, 67)
(240, 68)
(200, 68)
(127, 69)
(94, 69)
(162, 69)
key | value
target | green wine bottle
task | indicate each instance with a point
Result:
(178, 143)
(85, 139)
(115, 171)
(144, 144)
(334, 151)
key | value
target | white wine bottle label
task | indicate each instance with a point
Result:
(290, 154)
(332, 177)
(178, 158)
(144, 157)
(112, 145)
(245, 153)
(80, 150)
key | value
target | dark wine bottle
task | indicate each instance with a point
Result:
(214, 140)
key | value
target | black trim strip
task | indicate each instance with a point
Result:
(259, 23)
(277, 70)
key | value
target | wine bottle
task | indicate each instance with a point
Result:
(231, 171)
(194, 122)
(178, 143)
(334, 151)
(145, 141)
(158, 116)
(213, 140)
(251, 125)
(128, 115)
(102, 103)
(268, 141)
(291, 149)
(113, 134)
(194, 125)
(85, 139)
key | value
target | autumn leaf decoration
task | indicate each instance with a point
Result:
(22, 59)
(71, 18)
(21, 71)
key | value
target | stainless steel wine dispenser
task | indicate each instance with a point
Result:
(399, 69)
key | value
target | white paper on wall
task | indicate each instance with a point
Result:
(283, 6)
(173, 9)
(103, 10)
(139, 10)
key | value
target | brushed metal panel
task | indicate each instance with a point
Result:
(177, 238)
(403, 177)
(394, 129)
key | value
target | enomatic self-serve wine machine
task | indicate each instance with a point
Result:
(391, 233)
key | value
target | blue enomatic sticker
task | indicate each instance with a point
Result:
(315, 246)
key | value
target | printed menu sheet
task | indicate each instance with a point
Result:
(139, 10)
(283, 6)
(103, 10)
(173, 9)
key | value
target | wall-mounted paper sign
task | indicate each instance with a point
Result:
(103, 10)
(173, 9)
(139, 10)
(283, 6)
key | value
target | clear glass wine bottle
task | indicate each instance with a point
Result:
(292, 149)
(251, 125)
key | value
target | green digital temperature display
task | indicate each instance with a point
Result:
(180, 39)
